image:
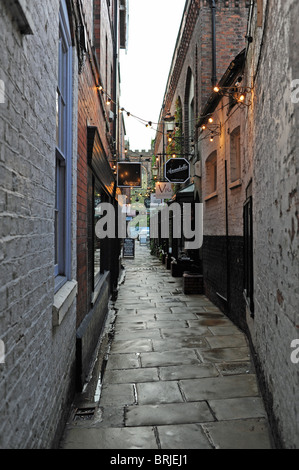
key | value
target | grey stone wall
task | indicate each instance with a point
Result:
(37, 372)
(273, 64)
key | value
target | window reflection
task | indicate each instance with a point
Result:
(97, 243)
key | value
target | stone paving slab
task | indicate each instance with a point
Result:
(121, 394)
(132, 345)
(173, 344)
(125, 335)
(168, 358)
(181, 323)
(225, 341)
(176, 332)
(219, 387)
(175, 316)
(224, 355)
(146, 374)
(239, 434)
(237, 408)
(158, 392)
(224, 330)
(183, 436)
(193, 371)
(111, 438)
(123, 361)
(165, 414)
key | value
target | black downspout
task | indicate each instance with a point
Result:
(116, 71)
(214, 74)
(115, 243)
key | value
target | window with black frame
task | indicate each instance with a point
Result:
(235, 155)
(248, 255)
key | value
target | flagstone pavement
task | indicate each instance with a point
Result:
(178, 373)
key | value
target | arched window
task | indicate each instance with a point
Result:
(189, 124)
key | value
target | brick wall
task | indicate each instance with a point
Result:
(92, 111)
(92, 302)
(36, 377)
(194, 51)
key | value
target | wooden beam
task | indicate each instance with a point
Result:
(259, 20)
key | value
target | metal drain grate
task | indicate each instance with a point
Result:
(84, 414)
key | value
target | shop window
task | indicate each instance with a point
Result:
(63, 152)
(235, 156)
(97, 241)
(211, 174)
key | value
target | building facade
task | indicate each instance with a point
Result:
(232, 90)
(99, 147)
(58, 140)
(210, 36)
(39, 68)
(271, 146)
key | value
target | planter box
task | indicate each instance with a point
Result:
(193, 283)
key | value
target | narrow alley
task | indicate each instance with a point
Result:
(178, 373)
(176, 122)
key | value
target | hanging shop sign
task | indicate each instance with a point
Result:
(129, 248)
(164, 191)
(128, 175)
(155, 201)
(177, 170)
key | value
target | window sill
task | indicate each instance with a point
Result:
(98, 287)
(63, 299)
(235, 184)
(211, 196)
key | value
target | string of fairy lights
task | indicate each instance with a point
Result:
(237, 92)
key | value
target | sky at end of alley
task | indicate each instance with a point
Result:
(144, 67)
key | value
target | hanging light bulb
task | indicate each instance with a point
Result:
(241, 98)
(212, 137)
(108, 101)
(216, 89)
(210, 119)
(203, 127)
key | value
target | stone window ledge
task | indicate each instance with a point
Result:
(211, 196)
(99, 286)
(235, 184)
(63, 299)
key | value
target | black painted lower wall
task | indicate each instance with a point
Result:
(223, 275)
(88, 333)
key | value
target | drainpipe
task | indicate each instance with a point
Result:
(115, 66)
(214, 75)
(227, 244)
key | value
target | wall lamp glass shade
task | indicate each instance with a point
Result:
(169, 123)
